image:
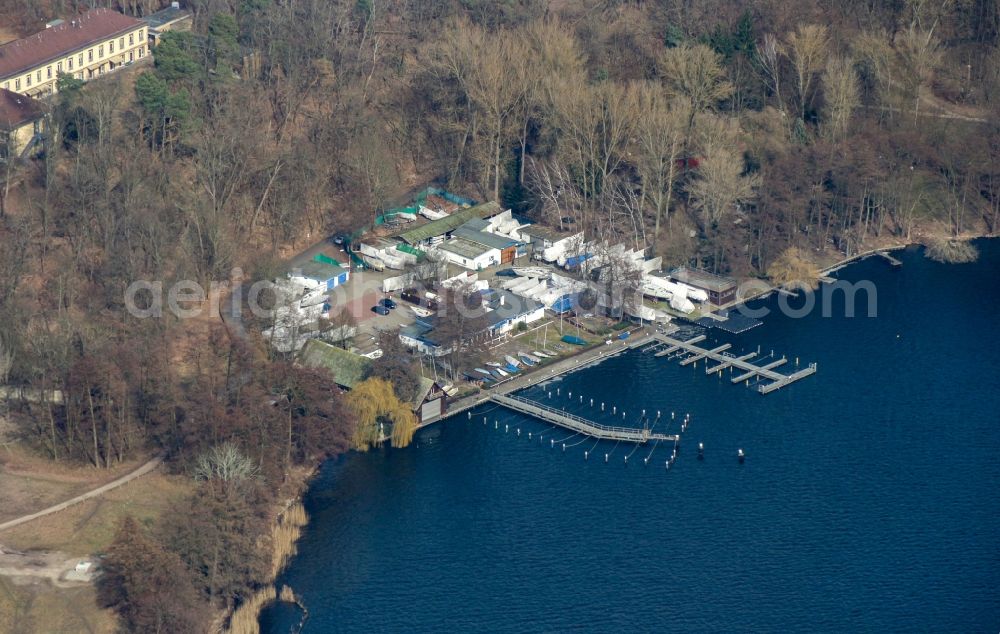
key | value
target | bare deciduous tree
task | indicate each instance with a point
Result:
(842, 96)
(808, 47)
(660, 141)
(695, 72)
(769, 57)
(225, 463)
(919, 56)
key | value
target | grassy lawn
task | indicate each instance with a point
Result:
(89, 526)
(29, 483)
(35, 605)
(42, 607)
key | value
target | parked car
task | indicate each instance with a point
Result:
(388, 303)
(380, 309)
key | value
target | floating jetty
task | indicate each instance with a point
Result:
(578, 424)
(743, 363)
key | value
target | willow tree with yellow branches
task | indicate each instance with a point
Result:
(374, 401)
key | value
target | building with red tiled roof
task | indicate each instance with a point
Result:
(20, 120)
(97, 42)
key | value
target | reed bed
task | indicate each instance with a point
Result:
(284, 537)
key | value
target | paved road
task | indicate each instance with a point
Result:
(141, 471)
(527, 379)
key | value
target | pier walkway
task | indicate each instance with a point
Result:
(742, 363)
(578, 424)
(891, 260)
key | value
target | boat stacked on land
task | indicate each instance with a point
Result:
(646, 313)
(537, 272)
(484, 375)
(679, 295)
(420, 311)
(506, 366)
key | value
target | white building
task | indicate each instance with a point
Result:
(469, 254)
(319, 273)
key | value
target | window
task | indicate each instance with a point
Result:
(48, 72)
(29, 80)
(121, 42)
(111, 47)
(70, 63)
(140, 52)
(140, 36)
(81, 59)
(17, 84)
(100, 51)
(90, 55)
(131, 39)
(38, 75)
(58, 67)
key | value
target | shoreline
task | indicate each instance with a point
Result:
(824, 274)
(585, 358)
(919, 240)
(246, 618)
(289, 521)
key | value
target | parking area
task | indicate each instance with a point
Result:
(363, 291)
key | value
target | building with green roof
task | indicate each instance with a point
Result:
(349, 369)
(443, 226)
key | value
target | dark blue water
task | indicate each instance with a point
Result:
(869, 500)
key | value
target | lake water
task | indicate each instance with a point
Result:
(869, 499)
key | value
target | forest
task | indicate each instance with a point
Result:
(720, 134)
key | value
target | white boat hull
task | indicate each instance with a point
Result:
(421, 312)
(536, 272)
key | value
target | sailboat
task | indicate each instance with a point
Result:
(512, 361)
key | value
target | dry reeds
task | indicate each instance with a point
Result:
(246, 618)
(287, 595)
(284, 537)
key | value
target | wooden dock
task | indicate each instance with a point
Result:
(749, 370)
(888, 258)
(578, 424)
